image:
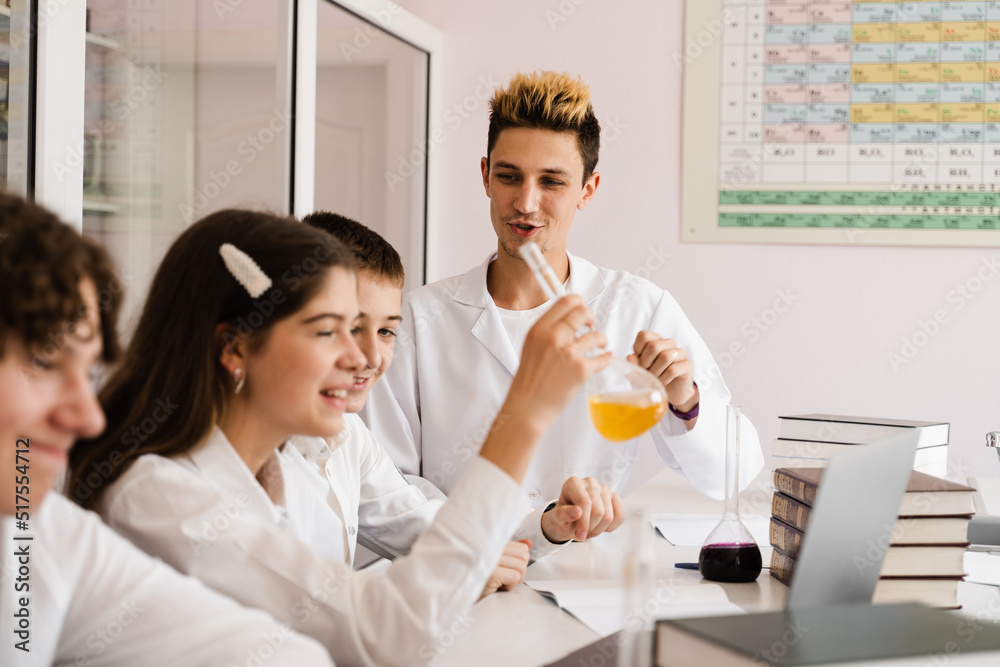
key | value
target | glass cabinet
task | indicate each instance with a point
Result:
(159, 113)
(15, 94)
(179, 121)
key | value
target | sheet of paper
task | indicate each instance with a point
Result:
(600, 605)
(983, 567)
(691, 530)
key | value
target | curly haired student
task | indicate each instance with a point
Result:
(77, 593)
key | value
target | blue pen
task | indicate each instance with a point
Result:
(686, 566)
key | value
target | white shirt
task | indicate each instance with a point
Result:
(206, 514)
(378, 506)
(454, 364)
(517, 323)
(94, 599)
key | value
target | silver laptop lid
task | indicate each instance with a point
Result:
(851, 523)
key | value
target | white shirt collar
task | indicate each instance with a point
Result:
(586, 280)
(217, 460)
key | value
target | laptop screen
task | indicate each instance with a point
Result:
(851, 523)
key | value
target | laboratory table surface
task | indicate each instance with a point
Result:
(521, 627)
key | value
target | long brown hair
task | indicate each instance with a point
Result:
(167, 392)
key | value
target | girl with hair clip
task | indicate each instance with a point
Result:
(243, 350)
(74, 592)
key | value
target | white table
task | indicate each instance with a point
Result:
(522, 628)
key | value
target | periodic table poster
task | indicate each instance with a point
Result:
(817, 121)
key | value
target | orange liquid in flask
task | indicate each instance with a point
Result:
(620, 416)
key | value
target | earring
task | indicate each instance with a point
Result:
(240, 380)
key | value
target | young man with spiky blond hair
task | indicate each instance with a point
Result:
(460, 342)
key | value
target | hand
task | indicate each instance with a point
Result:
(586, 508)
(510, 571)
(553, 362)
(664, 359)
(553, 368)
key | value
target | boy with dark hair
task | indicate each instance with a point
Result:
(372, 253)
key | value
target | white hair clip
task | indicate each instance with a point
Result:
(246, 271)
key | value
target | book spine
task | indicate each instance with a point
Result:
(794, 513)
(782, 567)
(796, 488)
(785, 537)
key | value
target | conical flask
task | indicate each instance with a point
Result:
(730, 554)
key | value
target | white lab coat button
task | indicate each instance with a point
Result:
(535, 494)
(351, 530)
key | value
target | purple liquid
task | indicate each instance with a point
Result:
(731, 563)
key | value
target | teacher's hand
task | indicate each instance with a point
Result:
(663, 358)
(585, 509)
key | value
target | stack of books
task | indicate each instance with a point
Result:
(924, 559)
(808, 441)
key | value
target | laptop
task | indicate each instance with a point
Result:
(849, 531)
(851, 523)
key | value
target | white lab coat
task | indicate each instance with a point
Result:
(373, 503)
(97, 600)
(454, 364)
(205, 513)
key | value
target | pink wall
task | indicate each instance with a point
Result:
(848, 308)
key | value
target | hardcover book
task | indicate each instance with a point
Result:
(857, 635)
(816, 454)
(925, 531)
(859, 430)
(937, 591)
(925, 495)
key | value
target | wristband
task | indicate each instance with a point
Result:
(691, 414)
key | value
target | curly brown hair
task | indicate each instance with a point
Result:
(42, 261)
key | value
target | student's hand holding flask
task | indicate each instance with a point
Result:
(560, 353)
(555, 363)
(625, 400)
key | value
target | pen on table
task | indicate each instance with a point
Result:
(686, 566)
